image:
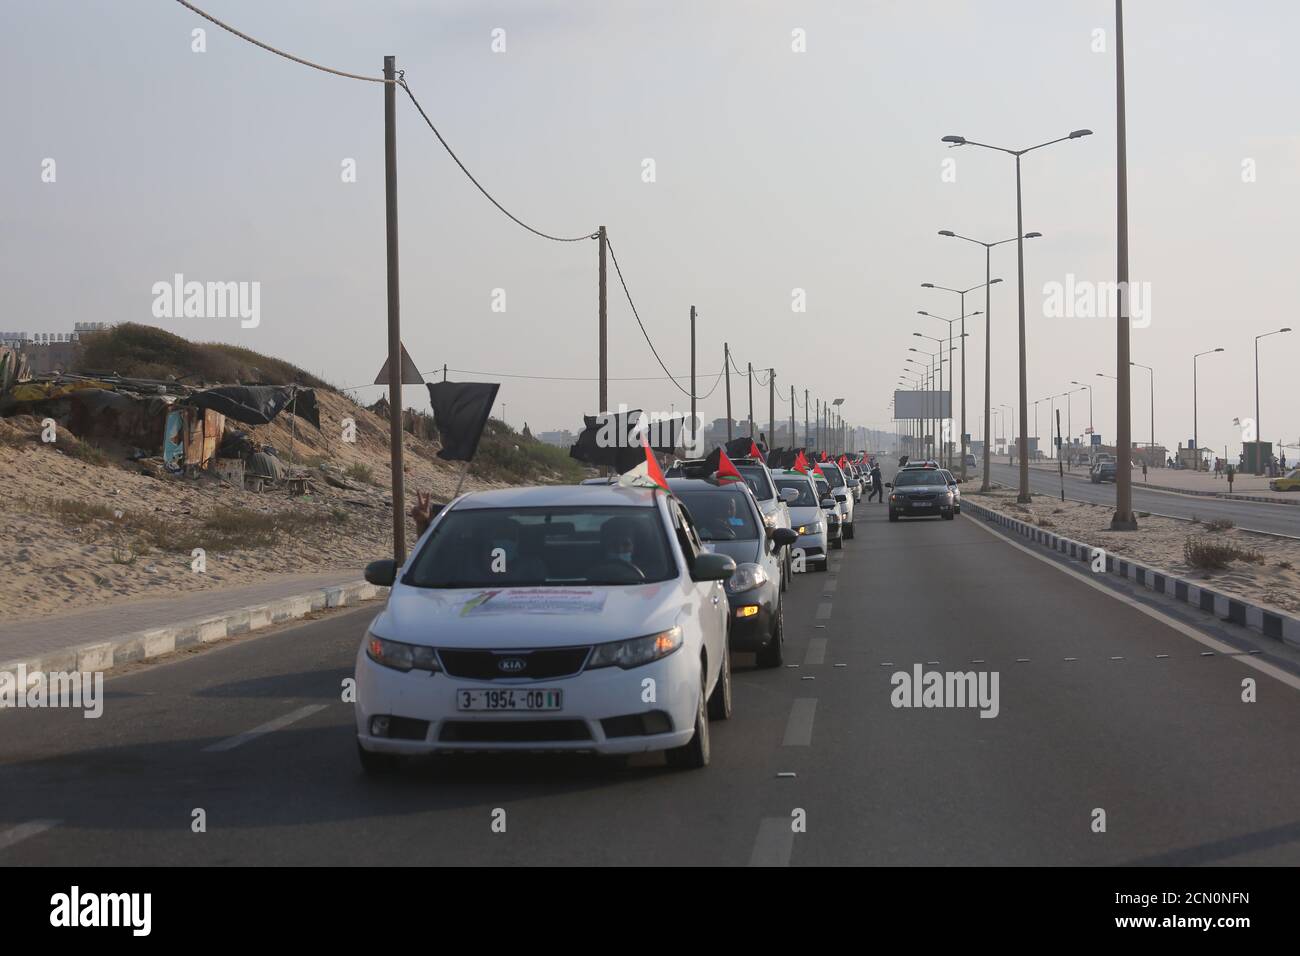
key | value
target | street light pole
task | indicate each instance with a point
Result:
(1259, 435)
(1196, 434)
(1152, 373)
(1124, 519)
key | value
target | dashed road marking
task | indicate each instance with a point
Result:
(230, 743)
(824, 611)
(25, 831)
(774, 843)
(816, 653)
(799, 727)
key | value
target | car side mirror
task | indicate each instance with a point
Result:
(784, 537)
(790, 495)
(382, 573)
(712, 566)
(889, 484)
(828, 502)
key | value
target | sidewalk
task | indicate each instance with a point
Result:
(1183, 481)
(135, 630)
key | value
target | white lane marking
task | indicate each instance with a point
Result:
(824, 611)
(830, 585)
(1186, 630)
(774, 843)
(799, 728)
(24, 831)
(230, 743)
(816, 653)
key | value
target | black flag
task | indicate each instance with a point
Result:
(460, 410)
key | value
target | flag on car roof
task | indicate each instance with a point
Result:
(649, 475)
(721, 467)
(801, 462)
(825, 457)
(754, 450)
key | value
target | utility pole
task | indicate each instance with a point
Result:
(604, 330)
(750, 376)
(807, 439)
(394, 310)
(726, 373)
(771, 408)
(793, 437)
(817, 417)
(693, 389)
(1123, 519)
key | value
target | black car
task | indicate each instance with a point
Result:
(918, 492)
(729, 522)
(1102, 471)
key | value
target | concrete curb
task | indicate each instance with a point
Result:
(1280, 627)
(1193, 492)
(157, 641)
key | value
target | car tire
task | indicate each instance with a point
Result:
(837, 544)
(825, 565)
(773, 654)
(948, 515)
(720, 701)
(893, 516)
(848, 531)
(694, 754)
(377, 764)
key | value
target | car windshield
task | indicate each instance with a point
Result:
(918, 476)
(833, 475)
(806, 497)
(823, 489)
(947, 475)
(759, 482)
(559, 546)
(720, 514)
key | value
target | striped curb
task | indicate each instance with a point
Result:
(157, 641)
(1280, 627)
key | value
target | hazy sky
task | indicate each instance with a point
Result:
(775, 170)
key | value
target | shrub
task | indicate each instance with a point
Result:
(360, 472)
(1219, 524)
(1207, 554)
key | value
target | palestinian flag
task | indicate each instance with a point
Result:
(843, 462)
(754, 451)
(801, 462)
(825, 457)
(648, 474)
(818, 469)
(721, 467)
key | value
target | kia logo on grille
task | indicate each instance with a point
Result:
(511, 665)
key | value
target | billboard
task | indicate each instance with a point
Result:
(923, 404)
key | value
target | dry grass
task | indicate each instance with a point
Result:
(1208, 555)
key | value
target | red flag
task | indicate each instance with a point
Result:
(801, 462)
(754, 451)
(843, 462)
(825, 457)
(818, 469)
(652, 468)
(726, 470)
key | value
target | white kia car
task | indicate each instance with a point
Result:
(562, 618)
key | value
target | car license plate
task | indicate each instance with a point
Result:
(511, 699)
(921, 504)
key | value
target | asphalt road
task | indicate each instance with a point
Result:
(1091, 716)
(1252, 515)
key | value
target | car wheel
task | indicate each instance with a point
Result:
(825, 565)
(837, 544)
(774, 653)
(377, 764)
(720, 701)
(893, 516)
(848, 531)
(948, 515)
(695, 753)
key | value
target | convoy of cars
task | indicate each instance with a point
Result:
(597, 617)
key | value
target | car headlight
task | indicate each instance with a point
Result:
(893, 497)
(746, 578)
(814, 528)
(399, 656)
(637, 651)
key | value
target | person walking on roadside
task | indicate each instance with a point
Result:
(877, 485)
(1144, 470)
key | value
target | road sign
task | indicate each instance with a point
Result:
(1096, 440)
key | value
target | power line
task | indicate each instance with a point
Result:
(537, 232)
(288, 56)
(619, 272)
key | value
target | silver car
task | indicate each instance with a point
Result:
(806, 517)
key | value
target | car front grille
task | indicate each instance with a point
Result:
(512, 731)
(544, 664)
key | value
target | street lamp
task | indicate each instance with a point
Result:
(962, 292)
(1091, 430)
(1023, 497)
(988, 283)
(1259, 458)
(1153, 398)
(962, 320)
(1196, 437)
